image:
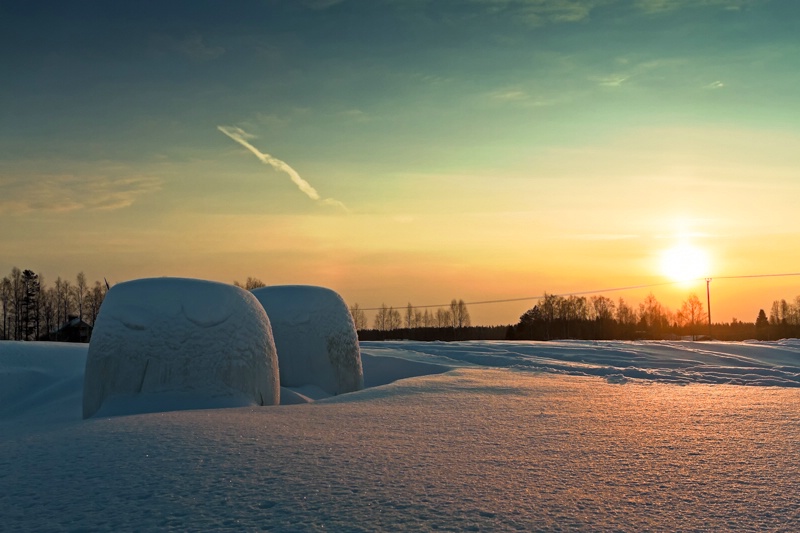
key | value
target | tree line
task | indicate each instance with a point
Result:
(415, 323)
(33, 310)
(600, 317)
(579, 317)
(390, 319)
(783, 321)
(468, 333)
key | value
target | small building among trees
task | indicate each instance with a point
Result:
(74, 330)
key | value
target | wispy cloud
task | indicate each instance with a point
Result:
(714, 85)
(657, 6)
(321, 4)
(632, 73)
(509, 95)
(542, 11)
(67, 193)
(520, 97)
(534, 12)
(242, 137)
(610, 81)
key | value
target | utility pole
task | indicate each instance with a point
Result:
(708, 299)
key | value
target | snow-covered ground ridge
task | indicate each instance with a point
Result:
(736, 363)
(45, 380)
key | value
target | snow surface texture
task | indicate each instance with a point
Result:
(315, 337)
(171, 343)
(735, 363)
(472, 449)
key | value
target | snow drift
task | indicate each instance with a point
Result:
(41, 380)
(315, 337)
(171, 343)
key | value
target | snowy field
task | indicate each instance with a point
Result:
(481, 436)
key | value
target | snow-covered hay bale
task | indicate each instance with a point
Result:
(315, 337)
(169, 343)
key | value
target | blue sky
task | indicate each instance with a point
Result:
(479, 146)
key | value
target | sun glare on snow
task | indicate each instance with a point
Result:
(684, 262)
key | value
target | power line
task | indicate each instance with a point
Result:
(758, 276)
(601, 291)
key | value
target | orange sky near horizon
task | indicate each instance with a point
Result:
(387, 278)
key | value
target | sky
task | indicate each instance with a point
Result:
(404, 151)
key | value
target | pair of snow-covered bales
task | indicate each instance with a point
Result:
(171, 343)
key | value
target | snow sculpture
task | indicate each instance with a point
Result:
(170, 343)
(315, 337)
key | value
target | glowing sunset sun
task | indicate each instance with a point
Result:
(684, 262)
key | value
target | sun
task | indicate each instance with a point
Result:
(684, 262)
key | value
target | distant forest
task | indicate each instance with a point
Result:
(599, 317)
(32, 310)
(578, 317)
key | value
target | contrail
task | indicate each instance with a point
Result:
(241, 136)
